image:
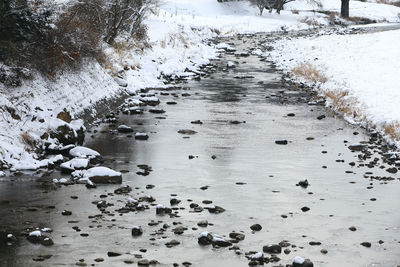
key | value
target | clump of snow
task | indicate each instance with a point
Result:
(83, 152)
(257, 256)
(60, 181)
(36, 233)
(95, 171)
(204, 234)
(298, 260)
(75, 163)
(132, 200)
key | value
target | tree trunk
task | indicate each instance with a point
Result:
(344, 11)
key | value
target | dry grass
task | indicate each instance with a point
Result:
(310, 21)
(344, 104)
(29, 141)
(309, 73)
(163, 44)
(386, 2)
(216, 31)
(295, 11)
(392, 130)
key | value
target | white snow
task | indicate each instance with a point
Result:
(9, 236)
(75, 163)
(35, 233)
(60, 181)
(257, 256)
(298, 260)
(204, 234)
(95, 171)
(132, 200)
(364, 66)
(83, 152)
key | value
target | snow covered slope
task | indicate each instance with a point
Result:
(362, 71)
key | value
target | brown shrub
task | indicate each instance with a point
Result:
(309, 72)
(392, 130)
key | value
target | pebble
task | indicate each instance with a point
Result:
(256, 227)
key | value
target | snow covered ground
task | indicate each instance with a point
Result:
(362, 74)
(176, 33)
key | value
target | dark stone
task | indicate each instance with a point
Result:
(66, 212)
(281, 142)
(187, 132)
(113, 254)
(237, 236)
(123, 190)
(256, 227)
(205, 239)
(124, 129)
(172, 243)
(137, 231)
(366, 244)
(356, 147)
(305, 209)
(392, 170)
(272, 249)
(321, 117)
(47, 242)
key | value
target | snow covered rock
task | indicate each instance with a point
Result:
(141, 136)
(231, 65)
(300, 262)
(161, 209)
(84, 152)
(137, 231)
(121, 82)
(98, 175)
(74, 164)
(124, 129)
(205, 238)
(150, 100)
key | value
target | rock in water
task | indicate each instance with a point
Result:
(300, 262)
(205, 238)
(137, 231)
(99, 175)
(256, 227)
(141, 136)
(272, 249)
(281, 142)
(124, 129)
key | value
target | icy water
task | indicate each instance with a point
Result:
(252, 178)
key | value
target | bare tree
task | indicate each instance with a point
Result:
(260, 4)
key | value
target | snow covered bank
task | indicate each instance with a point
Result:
(362, 74)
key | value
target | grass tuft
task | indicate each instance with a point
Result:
(309, 73)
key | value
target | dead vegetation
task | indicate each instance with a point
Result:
(29, 141)
(309, 72)
(344, 104)
(392, 130)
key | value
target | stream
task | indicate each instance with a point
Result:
(231, 160)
